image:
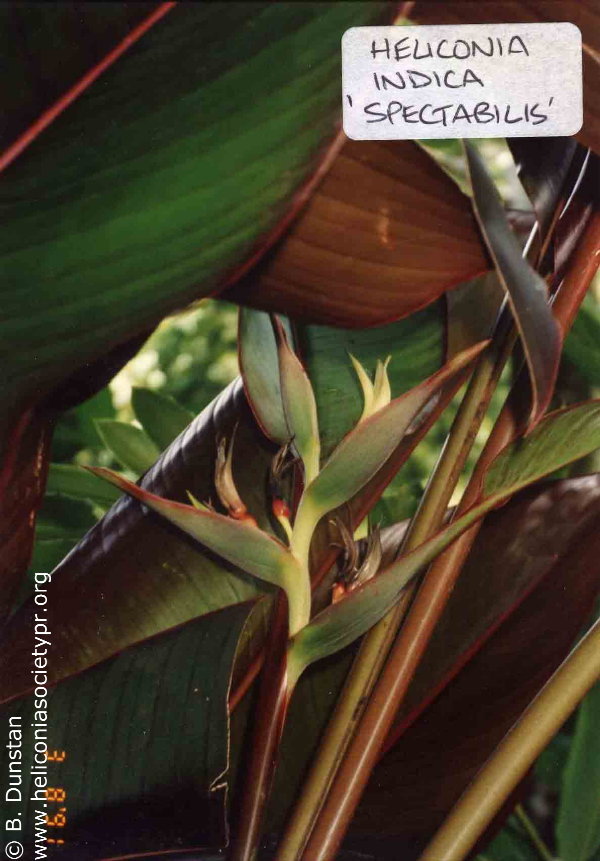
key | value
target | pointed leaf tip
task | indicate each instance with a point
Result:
(299, 403)
(239, 542)
(527, 292)
(259, 367)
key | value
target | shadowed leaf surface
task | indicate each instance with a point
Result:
(520, 550)
(543, 167)
(134, 575)
(386, 233)
(540, 593)
(145, 736)
(527, 292)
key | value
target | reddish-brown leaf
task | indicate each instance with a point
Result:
(525, 592)
(386, 232)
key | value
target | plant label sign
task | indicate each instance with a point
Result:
(463, 81)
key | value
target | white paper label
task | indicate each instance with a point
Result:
(468, 80)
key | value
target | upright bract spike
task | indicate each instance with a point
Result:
(299, 404)
(382, 393)
(366, 386)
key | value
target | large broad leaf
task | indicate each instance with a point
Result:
(160, 179)
(584, 13)
(582, 347)
(145, 738)
(578, 819)
(133, 575)
(385, 233)
(164, 175)
(518, 547)
(471, 705)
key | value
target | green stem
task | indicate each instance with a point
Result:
(533, 834)
(377, 643)
(519, 749)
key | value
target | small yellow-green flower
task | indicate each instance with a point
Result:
(376, 393)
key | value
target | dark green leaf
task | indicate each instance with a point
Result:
(143, 733)
(415, 345)
(526, 290)
(164, 176)
(162, 418)
(511, 844)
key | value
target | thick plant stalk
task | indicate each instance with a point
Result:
(273, 701)
(515, 754)
(413, 639)
(378, 641)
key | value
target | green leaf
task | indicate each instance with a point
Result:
(237, 541)
(162, 418)
(527, 291)
(299, 404)
(561, 438)
(144, 732)
(522, 462)
(131, 446)
(511, 844)
(260, 371)
(66, 479)
(365, 449)
(164, 176)
(578, 819)
(550, 765)
(582, 346)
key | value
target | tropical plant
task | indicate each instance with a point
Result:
(246, 652)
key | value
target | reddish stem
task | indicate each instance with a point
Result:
(270, 714)
(431, 599)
